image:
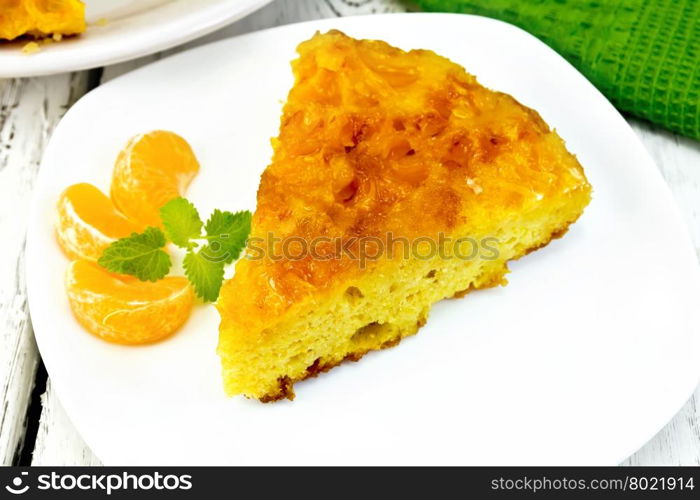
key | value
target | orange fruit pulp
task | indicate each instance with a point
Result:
(88, 222)
(123, 309)
(151, 170)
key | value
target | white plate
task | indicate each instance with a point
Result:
(588, 352)
(134, 28)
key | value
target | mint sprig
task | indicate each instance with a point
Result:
(227, 233)
(205, 275)
(142, 254)
(181, 221)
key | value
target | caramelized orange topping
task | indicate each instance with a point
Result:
(370, 137)
(41, 18)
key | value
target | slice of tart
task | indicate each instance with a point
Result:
(41, 18)
(397, 181)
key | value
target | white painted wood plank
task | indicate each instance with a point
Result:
(29, 109)
(676, 444)
(57, 441)
(677, 157)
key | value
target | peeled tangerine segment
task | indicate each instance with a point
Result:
(88, 222)
(151, 170)
(123, 309)
(41, 17)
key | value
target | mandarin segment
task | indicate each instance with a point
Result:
(88, 222)
(151, 170)
(124, 310)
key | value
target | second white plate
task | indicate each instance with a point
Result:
(584, 356)
(132, 28)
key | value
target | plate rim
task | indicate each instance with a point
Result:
(227, 12)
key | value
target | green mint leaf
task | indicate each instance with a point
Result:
(227, 233)
(181, 221)
(205, 275)
(140, 255)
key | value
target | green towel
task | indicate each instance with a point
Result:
(644, 55)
